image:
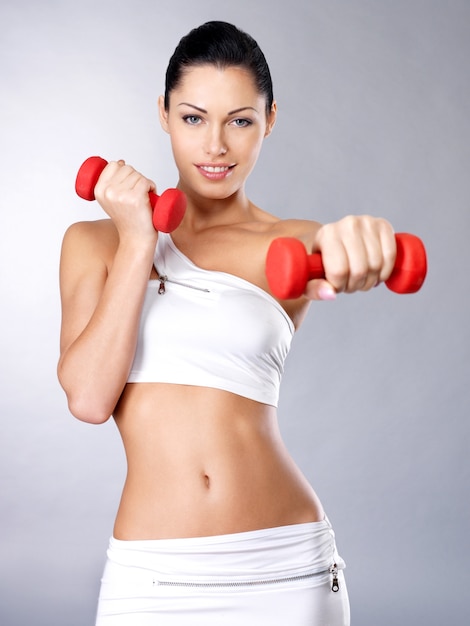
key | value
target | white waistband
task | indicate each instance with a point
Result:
(288, 550)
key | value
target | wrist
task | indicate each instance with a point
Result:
(137, 242)
(136, 251)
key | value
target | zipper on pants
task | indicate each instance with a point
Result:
(333, 570)
(334, 573)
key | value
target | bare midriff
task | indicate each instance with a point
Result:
(205, 462)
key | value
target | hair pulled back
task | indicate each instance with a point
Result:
(223, 45)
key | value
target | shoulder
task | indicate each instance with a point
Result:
(87, 254)
(245, 245)
(272, 226)
(102, 231)
(305, 230)
(88, 241)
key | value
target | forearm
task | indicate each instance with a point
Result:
(94, 368)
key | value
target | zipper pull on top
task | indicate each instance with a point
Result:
(161, 288)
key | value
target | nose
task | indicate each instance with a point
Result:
(215, 144)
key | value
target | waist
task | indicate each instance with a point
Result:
(224, 497)
(204, 462)
(293, 549)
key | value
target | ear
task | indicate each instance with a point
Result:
(271, 119)
(163, 114)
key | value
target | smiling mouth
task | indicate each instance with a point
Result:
(216, 169)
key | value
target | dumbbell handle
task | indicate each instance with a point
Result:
(168, 209)
(289, 267)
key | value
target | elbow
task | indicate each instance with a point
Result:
(84, 406)
(87, 411)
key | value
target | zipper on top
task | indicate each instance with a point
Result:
(164, 279)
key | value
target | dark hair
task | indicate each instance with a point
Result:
(223, 45)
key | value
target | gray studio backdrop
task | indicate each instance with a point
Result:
(374, 102)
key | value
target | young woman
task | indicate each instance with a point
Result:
(178, 337)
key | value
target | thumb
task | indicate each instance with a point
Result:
(320, 289)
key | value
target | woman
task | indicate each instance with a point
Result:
(178, 337)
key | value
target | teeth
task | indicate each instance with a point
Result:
(214, 170)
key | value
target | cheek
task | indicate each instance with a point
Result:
(182, 150)
(249, 150)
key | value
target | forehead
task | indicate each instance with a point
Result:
(205, 84)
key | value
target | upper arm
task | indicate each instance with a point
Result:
(85, 257)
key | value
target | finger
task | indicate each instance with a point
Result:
(336, 264)
(120, 180)
(389, 252)
(373, 263)
(130, 177)
(320, 290)
(366, 252)
(358, 266)
(110, 173)
(143, 184)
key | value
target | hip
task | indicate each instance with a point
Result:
(270, 576)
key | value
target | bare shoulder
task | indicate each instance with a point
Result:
(273, 226)
(305, 230)
(88, 250)
(87, 243)
(100, 235)
(242, 248)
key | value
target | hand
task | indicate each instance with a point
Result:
(358, 253)
(123, 194)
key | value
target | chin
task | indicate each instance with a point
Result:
(214, 190)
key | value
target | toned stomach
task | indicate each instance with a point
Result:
(205, 462)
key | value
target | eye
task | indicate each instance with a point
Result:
(241, 122)
(192, 120)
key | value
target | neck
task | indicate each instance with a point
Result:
(202, 212)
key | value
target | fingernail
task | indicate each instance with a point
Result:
(327, 293)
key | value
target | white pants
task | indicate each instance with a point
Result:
(272, 577)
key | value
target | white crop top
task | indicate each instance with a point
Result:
(210, 329)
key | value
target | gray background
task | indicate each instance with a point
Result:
(374, 108)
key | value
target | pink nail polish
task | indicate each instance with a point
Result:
(327, 293)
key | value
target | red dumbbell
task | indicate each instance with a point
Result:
(168, 209)
(289, 267)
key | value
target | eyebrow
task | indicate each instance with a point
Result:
(188, 104)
